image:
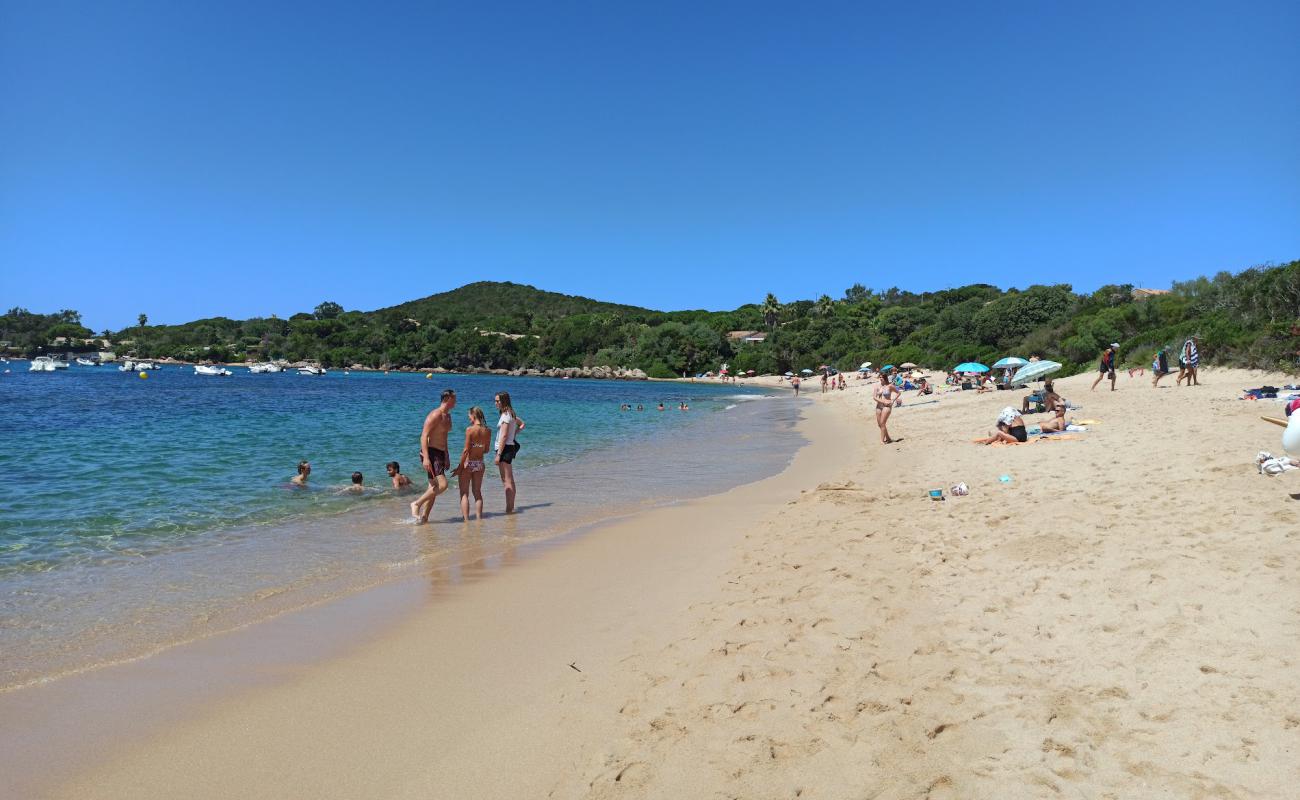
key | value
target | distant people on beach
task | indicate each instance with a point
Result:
(1159, 366)
(433, 454)
(509, 425)
(304, 471)
(794, 382)
(1047, 397)
(1106, 367)
(885, 395)
(469, 469)
(400, 482)
(1189, 360)
(661, 406)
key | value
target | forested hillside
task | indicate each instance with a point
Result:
(1251, 318)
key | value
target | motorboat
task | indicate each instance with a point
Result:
(42, 364)
(126, 366)
(258, 369)
(60, 363)
(309, 370)
(86, 362)
(146, 365)
(207, 369)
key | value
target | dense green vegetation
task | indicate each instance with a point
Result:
(1250, 318)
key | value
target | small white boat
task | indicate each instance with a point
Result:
(60, 363)
(311, 370)
(205, 369)
(86, 362)
(258, 369)
(146, 365)
(42, 364)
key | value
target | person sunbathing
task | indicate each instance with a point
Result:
(1010, 429)
(1047, 397)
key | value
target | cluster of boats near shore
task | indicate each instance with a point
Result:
(51, 364)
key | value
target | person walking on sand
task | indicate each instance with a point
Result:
(1106, 369)
(1159, 367)
(469, 470)
(885, 395)
(508, 427)
(433, 454)
(795, 383)
(1188, 361)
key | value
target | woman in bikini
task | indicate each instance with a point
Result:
(469, 472)
(885, 394)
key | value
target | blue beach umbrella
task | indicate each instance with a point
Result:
(887, 368)
(970, 366)
(1010, 362)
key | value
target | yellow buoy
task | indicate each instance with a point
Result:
(144, 375)
(428, 376)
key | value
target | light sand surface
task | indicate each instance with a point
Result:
(1121, 619)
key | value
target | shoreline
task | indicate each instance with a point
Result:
(1083, 623)
(234, 662)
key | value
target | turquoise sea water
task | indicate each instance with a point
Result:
(139, 512)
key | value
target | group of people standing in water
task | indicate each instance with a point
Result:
(468, 469)
(472, 464)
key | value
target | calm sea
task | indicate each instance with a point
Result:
(136, 513)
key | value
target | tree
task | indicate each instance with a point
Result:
(142, 320)
(328, 310)
(771, 309)
(856, 293)
(824, 306)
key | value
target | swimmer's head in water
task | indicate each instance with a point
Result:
(303, 467)
(476, 414)
(393, 468)
(356, 478)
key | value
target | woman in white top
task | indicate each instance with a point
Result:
(507, 427)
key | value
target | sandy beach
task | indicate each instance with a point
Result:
(1120, 618)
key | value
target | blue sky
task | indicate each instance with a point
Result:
(249, 158)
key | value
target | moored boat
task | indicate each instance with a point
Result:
(310, 370)
(207, 369)
(42, 364)
(258, 369)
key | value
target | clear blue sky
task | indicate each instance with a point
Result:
(249, 158)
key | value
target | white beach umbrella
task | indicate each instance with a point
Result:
(1033, 370)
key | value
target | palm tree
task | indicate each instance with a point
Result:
(824, 306)
(771, 309)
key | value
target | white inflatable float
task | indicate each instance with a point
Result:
(1290, 436)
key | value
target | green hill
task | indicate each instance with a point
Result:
(1251, 318)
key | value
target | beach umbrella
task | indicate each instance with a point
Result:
(971, 366)
(907, 365)
(917, 374)
(806, 371)
(866, 365)
(1034, 370)
(887, 368)
(1010, 361)
(789, 374)
(749, 372)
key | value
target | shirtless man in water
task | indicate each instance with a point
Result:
(433, 454)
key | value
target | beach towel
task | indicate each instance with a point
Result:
(1270, 465)
(1192, 358)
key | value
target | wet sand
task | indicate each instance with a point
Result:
(1119, 619)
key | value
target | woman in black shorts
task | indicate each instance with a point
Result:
(507, 447)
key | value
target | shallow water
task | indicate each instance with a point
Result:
(139, 513)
